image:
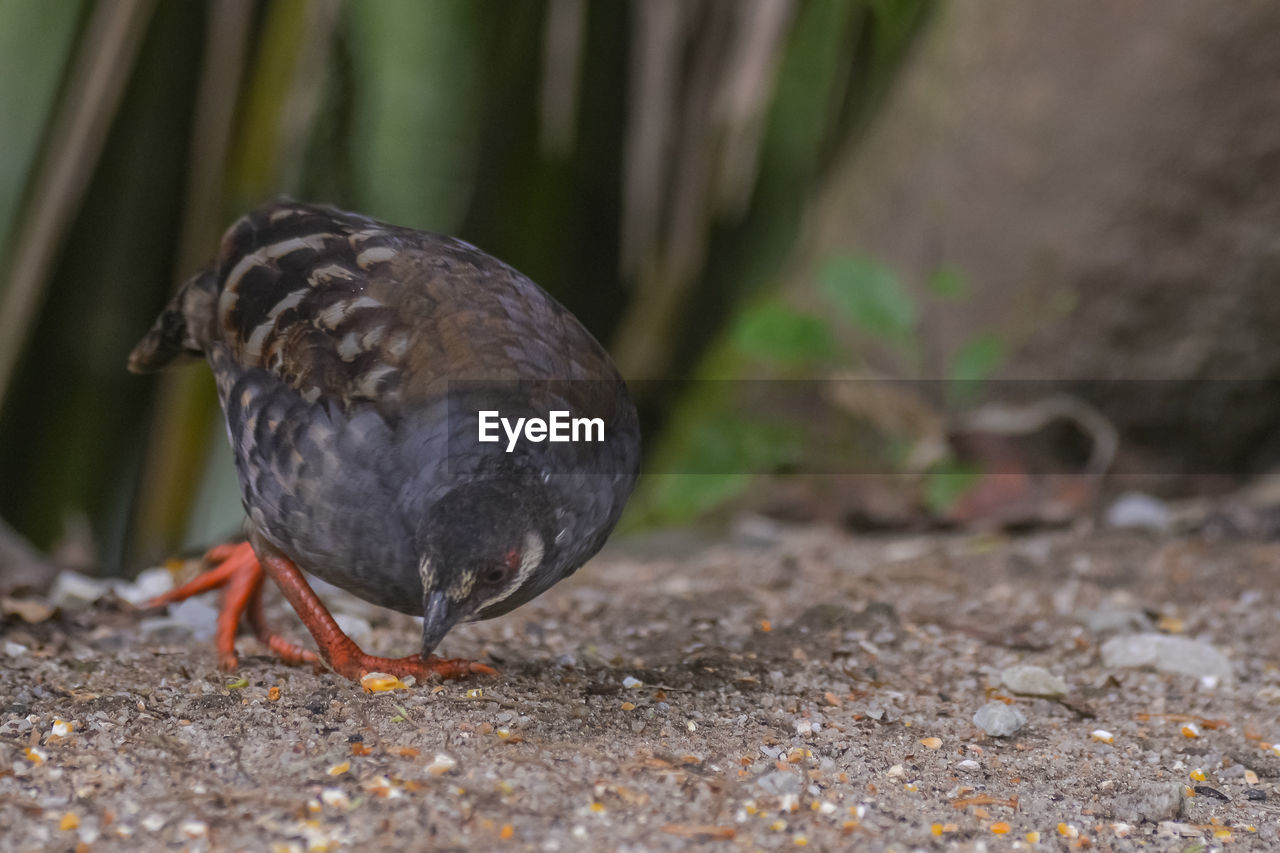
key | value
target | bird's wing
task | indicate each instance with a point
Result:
(346, 307)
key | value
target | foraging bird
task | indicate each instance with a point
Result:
(352, 359)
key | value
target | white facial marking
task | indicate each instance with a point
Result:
(530, 560)
(427, 573)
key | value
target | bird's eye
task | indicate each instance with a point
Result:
(495, 576)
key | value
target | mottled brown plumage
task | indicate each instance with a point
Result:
(339, 344)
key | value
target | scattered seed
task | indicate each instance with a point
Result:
(931, 742)
(631, 682)
(380, 682)
(69, 821)
(475, 693)
(628, 706)
(1197, 775)
(441, 764)
(335, 798)
(1190, 730)
(273, 695)
(1000, 828)
(1102, 736)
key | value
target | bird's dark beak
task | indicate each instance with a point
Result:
(437, 618)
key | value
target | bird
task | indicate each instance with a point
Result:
(355, 362)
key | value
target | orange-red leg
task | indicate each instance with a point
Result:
(239, 571)
(340, 651)
(290, 653)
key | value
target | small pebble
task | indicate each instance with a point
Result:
(1173, 655)
(998, 719)
(1152, 802)
(74, 591)
(1136, 511)
(146, 586)
(1029, 680)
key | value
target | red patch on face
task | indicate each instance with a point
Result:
(513, 559)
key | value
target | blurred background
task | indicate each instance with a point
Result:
(1055, 227)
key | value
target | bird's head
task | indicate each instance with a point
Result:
(484, 550)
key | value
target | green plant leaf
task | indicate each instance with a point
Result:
(946, 482)
(419, 71)
(949, 284)
(973, 363)
(774, 332)
(680, 498)
(978, 359)
(871, 295)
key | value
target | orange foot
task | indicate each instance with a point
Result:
(241, 572)
(340, 651)
(238, 570)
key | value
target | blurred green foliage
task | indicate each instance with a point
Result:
(423, 113)
(721, 439)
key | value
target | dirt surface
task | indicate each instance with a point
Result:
(780, 687)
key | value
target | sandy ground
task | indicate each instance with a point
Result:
(770, 689)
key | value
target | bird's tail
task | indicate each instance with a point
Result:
(183, 329)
